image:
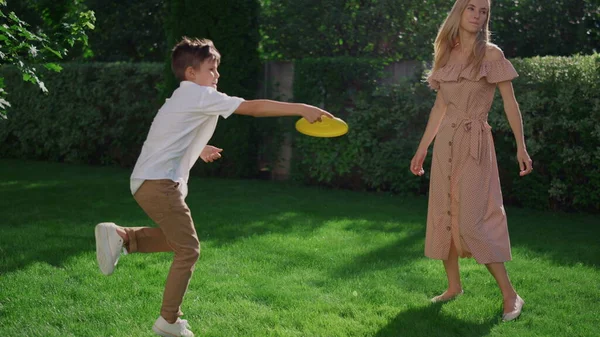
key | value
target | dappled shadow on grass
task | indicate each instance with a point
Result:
(429, 321)
(44, 242)
(49, 211)
(565, 239)
(226, 210)
(406, 250)
(48, 245)
(49, 216)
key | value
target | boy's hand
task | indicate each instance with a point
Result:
(210, 153)
(313, 114)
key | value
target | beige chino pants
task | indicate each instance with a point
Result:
(164, 204)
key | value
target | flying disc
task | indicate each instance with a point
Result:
(327, 127)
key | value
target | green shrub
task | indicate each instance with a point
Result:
(406, 30)
(100, 113)
(384, 130)
(559, 98)
(334, 83)
(94, 113)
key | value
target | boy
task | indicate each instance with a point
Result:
(178, 136)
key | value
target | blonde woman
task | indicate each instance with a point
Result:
(466, 216)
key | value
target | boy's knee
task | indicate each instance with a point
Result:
(189, 254)
(195, 254)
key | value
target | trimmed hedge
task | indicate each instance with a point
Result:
(335, 83)
(100, 114)
(373, 155)
(560, 102)
(406, 30)
(95, 113)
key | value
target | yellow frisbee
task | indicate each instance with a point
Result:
(327, 127)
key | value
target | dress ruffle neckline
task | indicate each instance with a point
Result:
(494, 71)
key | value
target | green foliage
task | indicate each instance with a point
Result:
(21, 47)
(128, 30)
(527, 28)
(65, 21)
(406, 30)
(100, 114)
(342, 85)
(94, 114)
(233, 26)
(375, 154)
(374, 28)
(335, 81)
(560, 101)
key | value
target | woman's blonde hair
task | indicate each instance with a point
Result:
(448, 37)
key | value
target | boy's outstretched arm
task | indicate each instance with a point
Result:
(269, 108)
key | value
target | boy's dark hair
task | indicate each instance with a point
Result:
(191, 53)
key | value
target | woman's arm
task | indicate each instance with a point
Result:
(433, 124)
(513, 114)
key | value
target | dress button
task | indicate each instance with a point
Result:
(450, 143)
(449, 213)
(449, 178)
(448, 228)
(453, 125)
(449, 160)
(449, 195)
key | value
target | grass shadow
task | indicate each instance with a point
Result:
(429, 321)
(49, 211)
(565, 239)
(405, 250)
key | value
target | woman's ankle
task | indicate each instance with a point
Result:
(510, 296)
(454, 289)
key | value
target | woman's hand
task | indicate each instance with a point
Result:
(525, 163)
(416, 164)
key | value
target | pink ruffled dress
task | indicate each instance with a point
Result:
(465, 199)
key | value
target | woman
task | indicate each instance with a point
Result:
(466, 216)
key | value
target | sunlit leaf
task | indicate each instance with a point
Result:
(58, 54)
(53, 66)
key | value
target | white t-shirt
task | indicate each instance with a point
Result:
(181, 129)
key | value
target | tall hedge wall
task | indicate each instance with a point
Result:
(560, 102)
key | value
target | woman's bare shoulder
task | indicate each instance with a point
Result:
(493, 53)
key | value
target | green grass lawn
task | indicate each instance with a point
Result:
(277, 260)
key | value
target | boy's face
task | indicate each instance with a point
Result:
(205, 75)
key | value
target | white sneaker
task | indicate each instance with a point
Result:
(108, 246)
(178, 329)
